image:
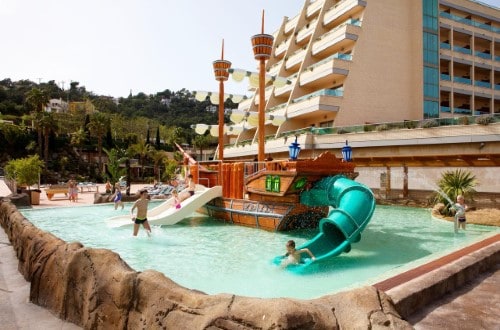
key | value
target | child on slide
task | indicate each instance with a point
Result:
(293, 256)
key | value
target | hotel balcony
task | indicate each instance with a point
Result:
(285, 90)
(295, 59)
(342, 10)
(305, 33)
(335, 67)
(316, 104)
(314, 8)
(268, 92)
(290, 25)
(245, 104)
(467, 23)
(274, 69)
(278, 109)
(281, 49)
(464, 53)
(342, 36)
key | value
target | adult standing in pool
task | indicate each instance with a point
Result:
(142, 212)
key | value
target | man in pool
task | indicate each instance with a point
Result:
(142, 213)
(293, 256)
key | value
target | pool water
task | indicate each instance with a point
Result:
(205, 254)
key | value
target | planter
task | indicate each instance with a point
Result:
(35, 197)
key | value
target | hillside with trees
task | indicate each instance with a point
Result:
(79, 142)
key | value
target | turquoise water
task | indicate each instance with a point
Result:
(205, 254)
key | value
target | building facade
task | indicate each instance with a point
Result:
(362, 62)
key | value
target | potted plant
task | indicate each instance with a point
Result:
(26, 172)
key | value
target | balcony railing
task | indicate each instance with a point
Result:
(344, 31)
(462, 111)
(314, 7)
(341, 8)
(445, 76)
(290, 25)
(470, 22)
(383, 126)
(306, 31)
(295, 58)
(483, 55)
(462, 80)
(445, 45)
(483, 84)
(462, 50)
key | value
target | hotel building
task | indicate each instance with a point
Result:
(370, 62)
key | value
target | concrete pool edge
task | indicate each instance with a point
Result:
(415, 289)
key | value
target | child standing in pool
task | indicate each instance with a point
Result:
(118, 196)
(142, 212)
(460, 208)
(293, 256)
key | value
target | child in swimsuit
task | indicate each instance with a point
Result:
(293, 256)
(142, 213)
(177, 201)
(460, 208)
(118, 196)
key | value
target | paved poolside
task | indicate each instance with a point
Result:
(473, 306)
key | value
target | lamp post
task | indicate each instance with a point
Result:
(347, 152)
(221, 71)
(262, 49)
(294, 150)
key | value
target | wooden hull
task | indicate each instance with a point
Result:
(265, 215)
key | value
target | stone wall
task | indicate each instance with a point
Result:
(96, 289)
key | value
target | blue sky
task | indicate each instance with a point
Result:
(112, 47)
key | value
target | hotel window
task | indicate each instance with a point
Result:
(431, 58)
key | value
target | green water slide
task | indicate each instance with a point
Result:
(353, 205)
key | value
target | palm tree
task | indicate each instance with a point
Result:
(98, 125)
(47, 124)
(454, 183)
(37, 99)
(202, 142)
(158, 156)
(142, 149)
(115, 158)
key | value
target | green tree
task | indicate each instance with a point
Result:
(202, 142)
(170, 169)
(158, 140)
(116, 157)
(37, 99)
(454, 183)
(158, 156)
(141, 149)
(47, 124)
(25, 171)
(97, 126)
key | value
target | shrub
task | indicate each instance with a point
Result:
(383, 127)
(430, 123)
(463, 120)
(484, 120)
(368, 128)
(410, 124)
(452, 184)
(25, 171)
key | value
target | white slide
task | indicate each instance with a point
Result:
(167, 214)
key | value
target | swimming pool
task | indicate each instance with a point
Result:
(205, 254)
